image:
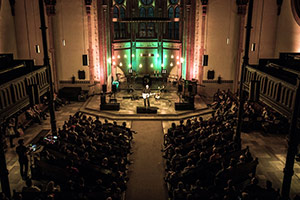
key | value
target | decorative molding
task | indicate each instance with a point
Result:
(121, 45)
(171, 45)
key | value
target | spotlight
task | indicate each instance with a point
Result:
(140, 65)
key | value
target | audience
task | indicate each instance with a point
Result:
(87, 157)
(202, 158)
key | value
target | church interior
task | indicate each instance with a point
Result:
(150, 99)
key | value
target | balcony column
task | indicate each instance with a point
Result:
(50, 10)
(241, 5)
(88, 4)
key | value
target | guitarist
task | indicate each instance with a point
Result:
(146, 91)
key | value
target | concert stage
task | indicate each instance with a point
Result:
(129, 102)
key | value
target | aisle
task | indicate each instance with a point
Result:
(147, 171)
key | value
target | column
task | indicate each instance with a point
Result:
(241, 6)
(50, 10)
(88, 4)
(202, 47)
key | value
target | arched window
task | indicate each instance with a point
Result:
(147, 2)
(142, 32)
(122, 12)
(146, 30)
(116, 12)
(142, 12)
(119, 27)
(177, 12)
(173, 27)
(150, 12)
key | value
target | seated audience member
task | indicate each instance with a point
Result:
(269, 193)
(30, 187)
(254, 190)
(179, 193)
(32, 115)
(52, 188)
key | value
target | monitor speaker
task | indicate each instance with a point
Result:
(205, 60)
(184, 106)
(190, 87)
(103, 99)
(114, 88)
(104, 88)
(84, 60)
(179, 88)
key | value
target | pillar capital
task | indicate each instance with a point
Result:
(241, 6)
(88, 4)
(204, 6)
(50, 7)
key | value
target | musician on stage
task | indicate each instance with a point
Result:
(147, 91)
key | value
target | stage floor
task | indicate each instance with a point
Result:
(128, 106)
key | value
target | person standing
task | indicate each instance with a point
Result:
(146, 95)
(22, 152)
(10, 130)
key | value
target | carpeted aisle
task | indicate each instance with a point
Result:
(147, 171)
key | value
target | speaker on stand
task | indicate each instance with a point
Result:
(104, 88)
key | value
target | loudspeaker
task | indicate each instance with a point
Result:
(110, 106)
(254, 91)
(205, 60)
(84, 60)
(151, 110)
(147, 80)
(210, 74)
(104, 88)
(114, 88)
(103, 99)
(190, 87)
(219, 79)
(179, 88)
(184, 106)
(81, 74)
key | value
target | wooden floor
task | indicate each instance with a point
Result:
(270, 150)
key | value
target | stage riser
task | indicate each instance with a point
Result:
(184, 106)
(110, 106)
(146, 110)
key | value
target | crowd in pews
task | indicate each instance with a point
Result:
(256, 115)
(204, 162)
(87, 158)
